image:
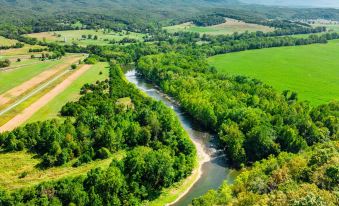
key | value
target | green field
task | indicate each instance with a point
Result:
(14, 165)
(229, 27)
(330, 27)
(75, 36)
(51, 110)
(7, 42)
(15, 77)
(312, 70)
(25, 70)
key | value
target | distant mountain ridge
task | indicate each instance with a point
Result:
(116, 4)
(296, 3)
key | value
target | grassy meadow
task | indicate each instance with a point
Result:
(25, 70)
(312, 70)
(21, 169)
(333, 26)
(75, 36)
(15, 77)
(229, 27)
(51, 110)
(7, 42)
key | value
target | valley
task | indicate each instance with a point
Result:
(176, 103)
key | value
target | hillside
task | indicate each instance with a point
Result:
(113, 5)
(296, 3)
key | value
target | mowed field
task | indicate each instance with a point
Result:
(229, 27)
(25, 81)
(72, 93)
(312, 71)
(75, 36)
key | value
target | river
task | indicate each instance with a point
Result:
(214, 171)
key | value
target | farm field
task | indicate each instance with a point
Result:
(312, 70)
(15, 77)
(51, 110)
(25, 109)
(31, 70)
(20, 169)
(229, 27)
(75, 36)
(24, 85)
(7, 42)
(331, 25)
(22, 52)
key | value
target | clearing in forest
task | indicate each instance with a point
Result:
(229, 27)
(7, 42)
(86, 37)
(21, 169)
(311, 70)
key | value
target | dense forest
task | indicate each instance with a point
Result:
(308, 178)
(112, 116)
(252, 120)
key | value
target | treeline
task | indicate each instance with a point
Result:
(208, 20)
(252, 120)
(112, 116)
(192, 44)
(249, 41)
(308, 178)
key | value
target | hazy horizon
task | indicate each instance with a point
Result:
(296, 3)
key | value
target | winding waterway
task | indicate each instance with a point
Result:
(214, 171)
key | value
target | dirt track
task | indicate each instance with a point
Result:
(35, 81)
(30, 110)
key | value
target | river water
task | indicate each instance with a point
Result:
(215, 171)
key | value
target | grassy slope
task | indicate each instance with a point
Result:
(330, 27)
(76, 36)
(9, 53)
(7, 42)
(229, 27)
(311, 70)
(52, 109)
(12, 165)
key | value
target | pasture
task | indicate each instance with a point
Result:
(20, 72)
(312, 71)
(78, 36)
(72, 93)
(21, 169)
(331, 27)
(229, 27)
(7, 42)
(25, 85)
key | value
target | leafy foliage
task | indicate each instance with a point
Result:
(308, 178)
(253, 121)
(159, 153)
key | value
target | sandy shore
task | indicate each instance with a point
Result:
(203, 157)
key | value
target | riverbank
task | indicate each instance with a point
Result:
(203, 157)
(210, 170)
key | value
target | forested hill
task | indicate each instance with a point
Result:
(115, 4)
(296, 3)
